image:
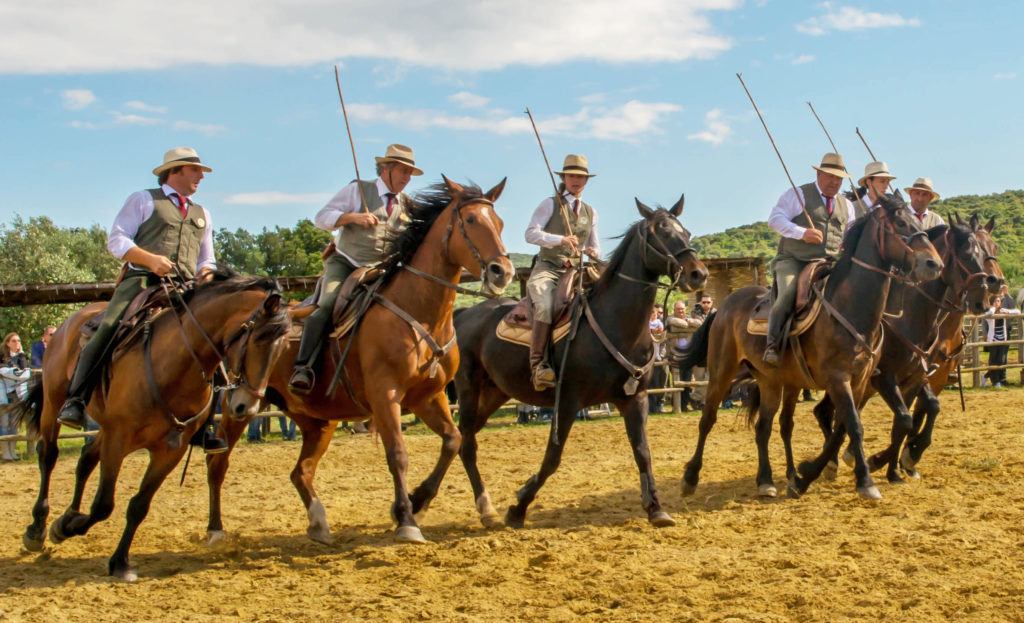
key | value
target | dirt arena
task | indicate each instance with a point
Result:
(947, 547)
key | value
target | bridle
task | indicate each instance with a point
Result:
(673, 266)
(886, 232)
(964, 278)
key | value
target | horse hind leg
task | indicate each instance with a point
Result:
(719, 380)
(635, 418)
(437, 415)
(789, 399)
(928, 404)
(474, 410)
(824, 412)
(47, 452)
(73, 523)
(216, 471)
(770, 398)
(316, 438)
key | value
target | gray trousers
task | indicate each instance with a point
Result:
(541, 285)
(318, 325)
(786, 272)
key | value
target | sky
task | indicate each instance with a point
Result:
(93, 93)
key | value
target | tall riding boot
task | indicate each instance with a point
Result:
(543, 376)
(771, 352)
(313, 334)
(72, 412)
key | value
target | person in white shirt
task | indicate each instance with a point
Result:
(921, 196)
(875, 184)
(804, 241)
(360, 238)
(559, 248)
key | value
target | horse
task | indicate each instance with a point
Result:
(151, 407)
(839, 348)
(600, 366)
(394, 364)
(921, 345)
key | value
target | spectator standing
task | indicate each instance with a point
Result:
(40, 347)
(14, 374)
(658, 374)
(997, 332)
(680, 329)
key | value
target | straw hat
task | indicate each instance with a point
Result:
(400, 154)
(180, 156)
(923, 183)
(876, 169)
(575, 164)
(833, 165)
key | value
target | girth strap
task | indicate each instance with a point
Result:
(832, 311)
(437, 350)
(635, 372)
(177, 425)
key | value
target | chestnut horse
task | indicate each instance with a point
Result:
(391, 365)
(618, 308)
(840, 347)
(159, 394)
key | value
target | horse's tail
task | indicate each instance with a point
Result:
(753, 404)
(696, 354)
(29, 409)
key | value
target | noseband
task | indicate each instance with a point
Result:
(887, 231)
(456, 219)
(673, 267)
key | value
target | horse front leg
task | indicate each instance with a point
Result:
(770, 397)
(824, 413)
(846, 412)
(47, 452)
(789, 399)
(161, 461)
(387, 417)
(436, 414)
(217, 465)
(316, 438)
(474, 410)
(515, 517)
(928, 403)
(634, 416)
(902, 426)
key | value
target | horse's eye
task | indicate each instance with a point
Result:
(471, 219)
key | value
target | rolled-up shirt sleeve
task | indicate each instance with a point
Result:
(535, 233)
(133, 214)
(344, 202)
(206, 258)
(782, 215)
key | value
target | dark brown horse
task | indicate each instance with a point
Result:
(492, 370)
(928, 332)
(392, 366)
(840, 359)
(240, 319)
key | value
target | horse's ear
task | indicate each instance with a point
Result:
(273, 304)
(454, 188)
(896, 193)
(975, 221)
(954, 217)
(677, 209)
(644, 210)
(493, 194)
(936, 232)
(991, 224)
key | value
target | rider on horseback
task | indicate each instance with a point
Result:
(559, 249)
(803, 242)
(157, 231)
(360, 238)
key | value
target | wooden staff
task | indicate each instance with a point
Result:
(836, 150)
(799, 195)
(563, 210)
(351, 143)
(871, 153)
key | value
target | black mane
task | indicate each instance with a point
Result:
(614, 264)
(225, 280)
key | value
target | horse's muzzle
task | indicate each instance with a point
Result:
(926, 266)
(498, 275)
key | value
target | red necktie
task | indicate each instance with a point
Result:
(182, 205)
(920, 216)
(828, 205)
(391, 203)
(576, 207)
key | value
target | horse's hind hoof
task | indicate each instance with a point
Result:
(767, 491)
(125, 574)
(492, 521)
(410, 534)
(689, 489)
(32, 545)
(848, 458)
(661, 519)
(793, 489)
(513, 520)
(869, 493)
(831, 470)
(895, 479)
(57, 536)
(908, 463)
(323, 536)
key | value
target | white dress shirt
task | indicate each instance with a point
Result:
(788, 207)
(347, 201)
(136, 210)
(535, 233)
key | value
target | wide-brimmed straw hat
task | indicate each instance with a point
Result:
(576, 164)
(178, 157)
(833, 165)
(402, 155)
(923, 183)
(876, 169)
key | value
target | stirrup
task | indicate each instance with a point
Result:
(304, 374)
(770, 356)
(72, 414)
(543, 377)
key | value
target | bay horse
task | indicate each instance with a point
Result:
(921, 346)
(391, 364)
(840, 348)
(612, 335)
(153, 407)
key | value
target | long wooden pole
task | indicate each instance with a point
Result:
(799, 196)
(835, 149)
(351, 143)
(871, 153)
(563, 210)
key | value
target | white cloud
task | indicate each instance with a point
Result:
(1005, 75)
(847, 18)
(82, 125)
(207, 129)
(803, 59)
(624, 123)
(274, 197)
(47, 36)
(465, 99)
(77, 99)
(144, 107)
(715, 131)
(132, 119)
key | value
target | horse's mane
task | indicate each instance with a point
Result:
(225, 280)
(424, 209)
(615, 262)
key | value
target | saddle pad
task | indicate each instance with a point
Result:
(520, 335)
(340, 329)
(757, 324)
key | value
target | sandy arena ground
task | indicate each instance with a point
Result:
(948, 547)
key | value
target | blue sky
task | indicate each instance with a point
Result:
(92, 94)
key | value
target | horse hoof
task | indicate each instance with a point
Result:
(793, 489)
(689, 489)
(492, 521)
(215, 537)
(125, 575)
(767, 491)
(912, 473)
(324, 537)
(32, 545)
(56, 536)
(895, 479)
(831, 470)
(661, 519)
(907, 462)
(869, 493)
(514, 521)
(848, 458)
(410, 534)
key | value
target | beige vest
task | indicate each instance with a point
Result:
(580, 224)
(367, 245)
(832, 227)
(931, 219)
(166, 233)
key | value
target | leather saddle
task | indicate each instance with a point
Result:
(807, 306)
(147, 304)
(359, 285)
(517, 325)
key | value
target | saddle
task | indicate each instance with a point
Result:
(146, 305)
(359, 285)
(807, 306)
(517, 325)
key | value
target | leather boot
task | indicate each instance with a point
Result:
(543, 376)
(771, 351)
(313, 333)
